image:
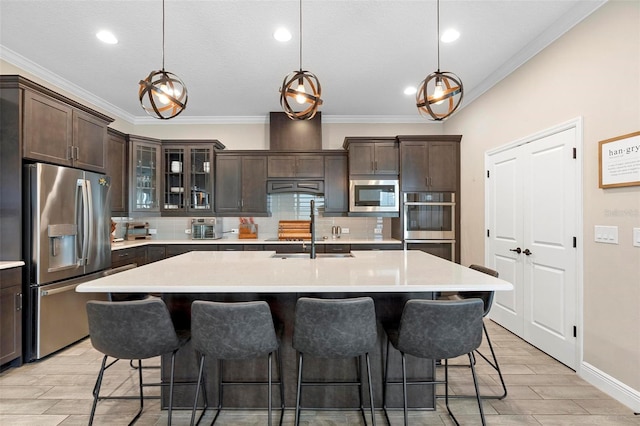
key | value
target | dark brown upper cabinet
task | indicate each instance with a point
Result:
(188, 169)
(117, 170)
(145, 172)
(241, 184)
(58, 132)
(372, 156)
(295, 166)
(336, 185)
(429, 163)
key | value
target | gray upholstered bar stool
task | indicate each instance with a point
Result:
(487, 300)
(132, 330)
(435, 329)
(234, 331)
(335, 328)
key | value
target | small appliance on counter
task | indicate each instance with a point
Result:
(137, 231)
(209, 228)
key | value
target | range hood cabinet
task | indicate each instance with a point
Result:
(300, 186)
(286, 134)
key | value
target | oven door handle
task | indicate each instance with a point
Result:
(428, 203)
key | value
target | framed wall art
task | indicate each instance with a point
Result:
(619, 161)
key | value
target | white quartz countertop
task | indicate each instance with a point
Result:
(235, 240)
(7, 264)
(258, 272)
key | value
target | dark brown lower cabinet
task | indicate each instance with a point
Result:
(443, 250)
(176, 249)
(155, 253)
(293, 248)
(10, 315)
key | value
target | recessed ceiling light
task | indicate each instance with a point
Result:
(450, 35)
(106, 37)
(282, 34)
(410, 90)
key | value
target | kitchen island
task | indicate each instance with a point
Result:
(389, 277)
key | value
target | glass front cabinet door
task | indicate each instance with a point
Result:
(145, 163)
(187, 185)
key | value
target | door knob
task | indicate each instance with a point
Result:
(517, 250)
(527, 252)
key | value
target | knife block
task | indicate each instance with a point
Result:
(248, 231)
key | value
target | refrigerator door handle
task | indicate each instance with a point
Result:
(82, 183)
(90, 226)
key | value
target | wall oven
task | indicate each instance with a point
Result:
(429, 218)
(374, 196)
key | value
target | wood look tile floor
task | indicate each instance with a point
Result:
(57, 391)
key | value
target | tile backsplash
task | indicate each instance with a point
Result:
(282, 207)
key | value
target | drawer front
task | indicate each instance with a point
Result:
(337, 248)
(10, 277)
(123, 257)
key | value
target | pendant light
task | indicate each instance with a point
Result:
(162, 94)
(445, 88)
(300, 91)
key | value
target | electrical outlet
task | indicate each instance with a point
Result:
(636, 237)
(153, 231)
(377, 231)
(187, 231)
(234, 230)
(345, 230)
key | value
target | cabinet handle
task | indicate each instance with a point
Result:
(70, 153)
(18, 301)
(77, 150)
(375, 165)
(242, 203)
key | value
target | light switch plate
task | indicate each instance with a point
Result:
(636, 237)
(606, 234)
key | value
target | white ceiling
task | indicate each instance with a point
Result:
(364, 52)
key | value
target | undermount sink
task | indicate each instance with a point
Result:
(306, 255)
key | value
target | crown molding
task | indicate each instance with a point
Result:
(31, 67)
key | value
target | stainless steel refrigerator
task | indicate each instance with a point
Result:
(67, 239)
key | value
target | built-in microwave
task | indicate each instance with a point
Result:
(374, 196)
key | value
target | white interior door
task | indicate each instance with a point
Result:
(532, 208)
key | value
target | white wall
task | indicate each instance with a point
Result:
(593, 71)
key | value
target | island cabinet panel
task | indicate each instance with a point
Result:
(296, 166)
(241, 187)
(443, 250)
(372, 156)
(117, 170)
(429, 163)
(10, 315)
(336, 185)
(55, 132)
(388, 307)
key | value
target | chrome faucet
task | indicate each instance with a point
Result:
(312, 254)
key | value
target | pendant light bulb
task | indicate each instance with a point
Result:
(300, 97)
(438, 92)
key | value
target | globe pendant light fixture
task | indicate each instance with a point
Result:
(162, 94)
(300, 91)
(445, 88)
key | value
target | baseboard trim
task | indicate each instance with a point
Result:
(611, 386)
